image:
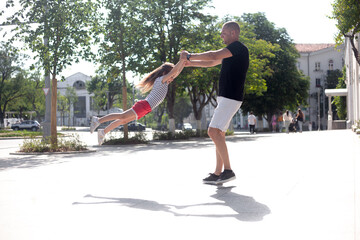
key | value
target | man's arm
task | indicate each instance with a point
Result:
(210, 55)
(202, 63)
(206, 59)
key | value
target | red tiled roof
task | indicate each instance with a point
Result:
(312, 47)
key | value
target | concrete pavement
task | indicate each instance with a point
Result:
(288, 187)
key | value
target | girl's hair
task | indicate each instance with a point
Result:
(147, 82)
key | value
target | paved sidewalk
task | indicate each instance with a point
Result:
(288, 187)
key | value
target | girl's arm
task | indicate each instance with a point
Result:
(174, 72)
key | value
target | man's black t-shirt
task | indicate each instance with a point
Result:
(233, 72)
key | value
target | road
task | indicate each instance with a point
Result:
(288, 187)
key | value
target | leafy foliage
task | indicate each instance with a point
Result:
(347, 15)
(286, 86)
(340, 101)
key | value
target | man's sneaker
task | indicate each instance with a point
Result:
(101, 136)
(226, 176)
(211, 179)
(94, 124)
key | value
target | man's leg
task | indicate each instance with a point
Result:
(222, 155)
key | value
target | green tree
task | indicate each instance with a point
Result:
(123, 45)
(347, 15)
(65, 102)
(182, 109)
(62, 106)
(202, 83)
(32, 97)
(106, 90)
(72, 98)
(286, 87)
(36, 96)
(340, 101)
(167, 24)
(67, 25)
(12, 80)
(332, 78)
(99, 90)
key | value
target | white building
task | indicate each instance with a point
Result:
(315, 61)
(82, 111)
(352, 83)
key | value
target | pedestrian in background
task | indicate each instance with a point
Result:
(252, 122)
(273, 123)
(280, 121)
(287, 120)
(300, 119)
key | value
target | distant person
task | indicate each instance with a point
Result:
(300, 119)
(287, 120)
(157, 81)
(273, 123)
(280, 121)
(252, 122)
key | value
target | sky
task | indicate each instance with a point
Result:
(306, 21)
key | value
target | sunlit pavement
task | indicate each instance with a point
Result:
(288, 186)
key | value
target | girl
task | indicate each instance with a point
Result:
(157, 81)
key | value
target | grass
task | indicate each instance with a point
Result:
(24, 133)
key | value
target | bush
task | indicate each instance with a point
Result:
(139, 138)
(184, 135)
(68, 129)
(64, 145)
(170, 136)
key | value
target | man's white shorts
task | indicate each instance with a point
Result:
(224, 112)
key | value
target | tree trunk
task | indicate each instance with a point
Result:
(124, 90)
(53, 112)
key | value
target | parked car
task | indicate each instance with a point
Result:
(32, 125)
(187, 126)
(134, 127)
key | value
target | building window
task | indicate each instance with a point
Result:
(317, 66)
(331, 65)
(80, 107)
(318, 82)
(79, 85)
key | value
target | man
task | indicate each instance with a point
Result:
(252, 122)
(235, 62)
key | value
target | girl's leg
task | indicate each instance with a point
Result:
(120, 119)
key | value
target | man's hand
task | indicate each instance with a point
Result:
(183, 55)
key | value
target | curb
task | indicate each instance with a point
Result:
(51, 153)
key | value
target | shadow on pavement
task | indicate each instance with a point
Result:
(32, 161)
(168, 145)
(246, 208)
(28, 161)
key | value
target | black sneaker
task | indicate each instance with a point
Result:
(211, 179)
(226, 176)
